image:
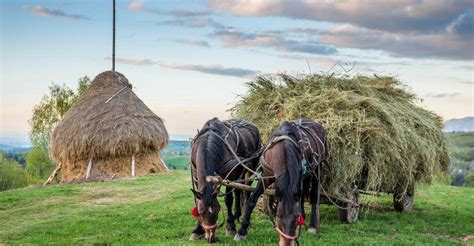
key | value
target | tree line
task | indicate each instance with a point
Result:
(46, 115)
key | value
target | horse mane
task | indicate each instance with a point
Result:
(288, 183)
(210, 153)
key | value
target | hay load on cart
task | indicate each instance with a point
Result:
(380, 139)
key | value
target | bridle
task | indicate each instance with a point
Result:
(285, 235)
(300, 222)
(195, 214)
(208, 227)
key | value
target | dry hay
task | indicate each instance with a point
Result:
(378, 136)
(109, 124)
(111, 168)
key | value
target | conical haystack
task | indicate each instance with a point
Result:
(105, 130)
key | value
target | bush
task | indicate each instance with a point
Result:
(469, 180)
(11, 174)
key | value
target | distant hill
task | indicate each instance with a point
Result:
(177, 148)
(465, 124)
(9, 149)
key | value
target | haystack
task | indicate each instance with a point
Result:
(378, 134)
(108, 133)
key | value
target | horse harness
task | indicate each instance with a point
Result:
(231, 164)
(304, 139)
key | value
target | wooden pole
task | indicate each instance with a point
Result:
(164, 164)
(133, 165)
(89, 169)
(218, 180)
(53, 175)
(113, 36)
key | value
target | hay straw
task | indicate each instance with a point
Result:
(378, 136)
(122, 127)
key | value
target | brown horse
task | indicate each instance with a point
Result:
(211, 154)
(291, 165)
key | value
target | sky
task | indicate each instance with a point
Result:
(189, 60)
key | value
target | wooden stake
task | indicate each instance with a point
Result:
(89, 169)
(53, 175)
(133, 165)
(164, 164)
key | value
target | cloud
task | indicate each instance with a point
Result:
(212, 69)
(42, 11)
(138, 5)
(193, 42)
(464, 24)
(192, 23)
(466, 82)
(433, 45)
(443, 95)
(137, 62)
(393, 16)
(436, 29)
(234, 38)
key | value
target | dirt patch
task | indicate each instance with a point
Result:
(103, 198)
(440, 236)
(467, 238)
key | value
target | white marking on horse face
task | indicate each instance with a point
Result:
(210, 210)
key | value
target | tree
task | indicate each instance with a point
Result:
(11, 174)
(38, 162)
(46, 116)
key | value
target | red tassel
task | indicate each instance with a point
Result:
(194, 212)
(300, 220)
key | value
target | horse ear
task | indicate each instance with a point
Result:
(197, 194)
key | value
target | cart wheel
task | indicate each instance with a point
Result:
(351, 214)
(403, 202)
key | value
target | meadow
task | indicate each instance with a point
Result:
(155, 209)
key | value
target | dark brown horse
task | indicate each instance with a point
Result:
(291, 165)
(211, 154)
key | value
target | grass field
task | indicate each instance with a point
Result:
(156, 210)
(179, 162)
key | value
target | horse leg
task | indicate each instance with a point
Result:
(197, 233)
(306, 185)
(246, 194)
(249, 206)
(229, 201)
(314, 223)
(238, 204)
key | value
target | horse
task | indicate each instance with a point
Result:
(291, 164)
(215, 151)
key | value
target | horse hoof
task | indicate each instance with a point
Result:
(194, 236)
(312, 230)
(239, 237)
(230, 233)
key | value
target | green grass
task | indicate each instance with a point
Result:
(180, 162)
(156, 210)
